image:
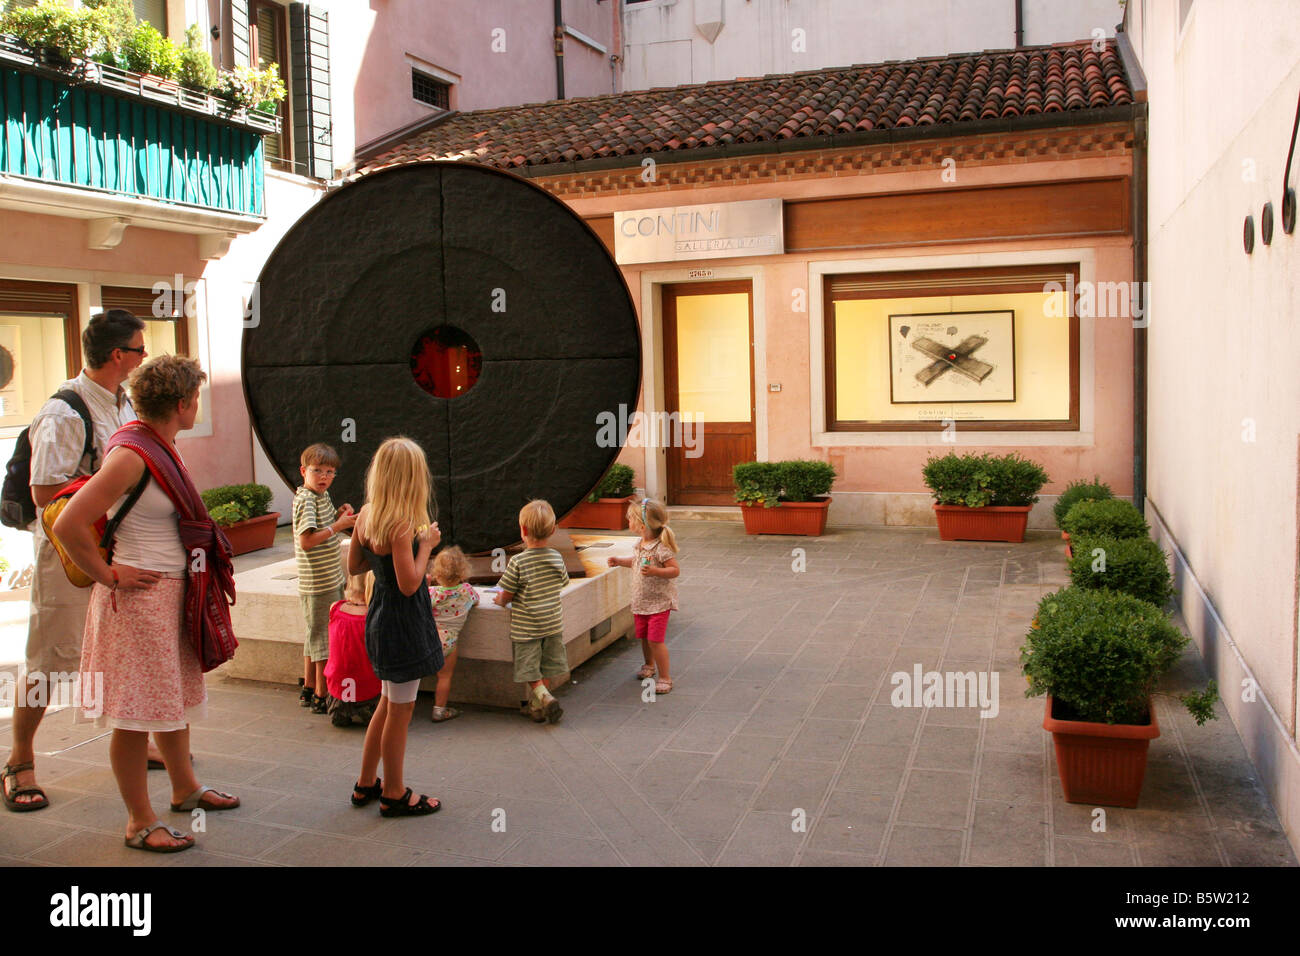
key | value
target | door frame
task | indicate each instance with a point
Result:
(671, 372)
(652, 352)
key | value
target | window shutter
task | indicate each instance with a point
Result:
(152, 11)
(309, 56)
(239, 31)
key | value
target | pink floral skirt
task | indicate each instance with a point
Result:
(137, 672)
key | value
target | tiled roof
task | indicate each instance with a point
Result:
(964, 88)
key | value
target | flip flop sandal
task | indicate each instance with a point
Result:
(402, 808)
(195, 801)
(159, 765)
(376, 789)
(444, 713)
(138, 842)
(11, 796)
(647, 670)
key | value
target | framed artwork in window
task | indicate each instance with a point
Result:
(952, 357)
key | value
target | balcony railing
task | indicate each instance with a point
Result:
(96, 127)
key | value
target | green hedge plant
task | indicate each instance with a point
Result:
(1076, 491)
(1099, 654)
(54, 26)
(146, 50)
(977, 481)
(617, 483)
(196, 70)
(770, 482)
(1133, 566)
(1112, 518)
(227, 501)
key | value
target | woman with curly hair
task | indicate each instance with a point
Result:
(137, 658)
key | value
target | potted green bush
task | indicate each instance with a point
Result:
(1133, 566)
(61, 33)
(783, 497)
(1097, 655)
(1076, 491)
(983, 497)
(606, 505)
(241, 510)
(1112, 517)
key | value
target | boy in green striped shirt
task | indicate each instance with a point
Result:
(532, 584)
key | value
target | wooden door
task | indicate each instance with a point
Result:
(708, 377)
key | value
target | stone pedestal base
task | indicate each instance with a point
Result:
(268, 623)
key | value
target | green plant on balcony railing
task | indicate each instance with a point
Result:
(252, 88)
(148, 51)
(58, 30)
(197, 70)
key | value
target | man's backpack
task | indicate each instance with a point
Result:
(17, 509)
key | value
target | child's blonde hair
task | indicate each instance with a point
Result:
(450, 565)
(538, 519)
(397, 490)
(357, 588)
(654, 516)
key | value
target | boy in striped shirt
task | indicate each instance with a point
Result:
(533, 581)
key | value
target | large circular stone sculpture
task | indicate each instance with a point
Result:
(445, 279)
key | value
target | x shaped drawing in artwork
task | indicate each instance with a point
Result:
(958, 358)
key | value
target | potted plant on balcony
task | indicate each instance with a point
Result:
(606, 506)
(148, 52)
(1097, 655)
(1075, 492)
(783, 497)
(59, 32)
(241, 510)
(252, 89)
(982, 497)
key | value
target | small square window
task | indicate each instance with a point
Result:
(426, 89)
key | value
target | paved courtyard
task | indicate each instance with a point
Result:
(778, 745)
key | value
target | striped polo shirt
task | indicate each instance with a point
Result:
(321, 568)
(535, 577)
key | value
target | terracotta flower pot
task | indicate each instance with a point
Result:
(991, 523)
(253, 534)
(607, 514)
(789, 517)
(1101, 764)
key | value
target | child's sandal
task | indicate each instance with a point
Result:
(399, 807)
(663, 686)
(646, 671)
(369, 793)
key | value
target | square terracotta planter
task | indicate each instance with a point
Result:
(253, 534)
(991, 523)
(607, 514)
(789, 517)
(1101, 764)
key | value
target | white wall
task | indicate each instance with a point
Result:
(1224, 423)
(664, 47)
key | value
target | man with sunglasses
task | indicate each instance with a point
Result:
(113, 347)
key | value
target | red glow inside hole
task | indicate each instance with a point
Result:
(446, 362)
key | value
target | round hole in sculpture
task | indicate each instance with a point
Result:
(446, 361)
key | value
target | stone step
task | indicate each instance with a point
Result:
(703, 513)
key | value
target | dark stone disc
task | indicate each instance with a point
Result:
(372, 274)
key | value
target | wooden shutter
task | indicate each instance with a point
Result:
(268, 46)
(239, 32)
(309, 53)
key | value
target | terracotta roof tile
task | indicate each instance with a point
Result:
(957, 89)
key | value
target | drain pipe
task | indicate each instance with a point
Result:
(1020, 23)
(1138, 84)
(559, 49)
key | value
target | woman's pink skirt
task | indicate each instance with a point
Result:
(137, 673)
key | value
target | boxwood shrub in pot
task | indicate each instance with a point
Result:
(606, 505)
(783, 497)
(1076, 491)
(1133, 566)
(983, 497)
(1114, 518)
(241, 510)
(1098, 655)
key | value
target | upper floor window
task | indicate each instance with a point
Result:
(268, 42)
(154, 11)
(430, 90)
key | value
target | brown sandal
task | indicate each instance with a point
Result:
(11, 796)
(663, 685)
(646, 671)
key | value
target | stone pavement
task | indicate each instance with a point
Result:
(781, 713)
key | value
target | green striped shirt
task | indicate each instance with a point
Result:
(535, 577)
(321, 568)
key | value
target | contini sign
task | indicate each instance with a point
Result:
(715, 231)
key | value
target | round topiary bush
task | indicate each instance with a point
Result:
(1099, 654)
(1113, 518)
(977, 481)
(1076, 491)
(1133, 566)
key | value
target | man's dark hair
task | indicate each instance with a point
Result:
(109, 330)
